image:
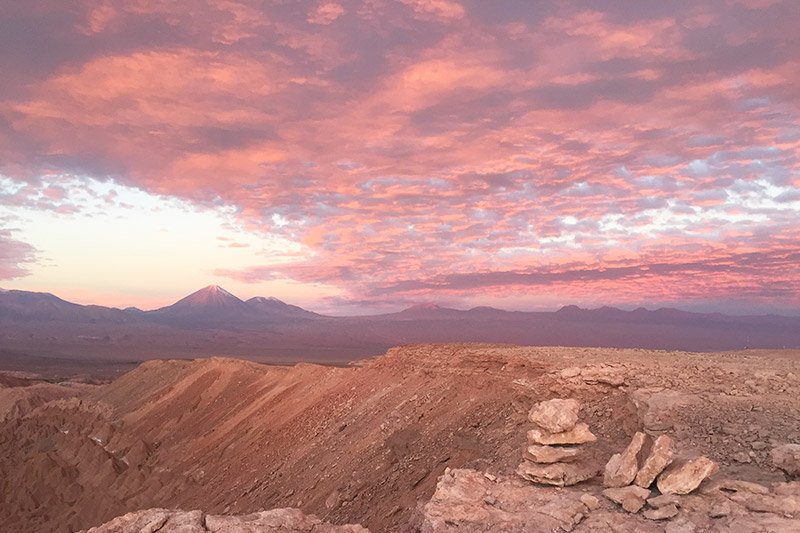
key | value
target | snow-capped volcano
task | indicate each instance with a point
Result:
(213, 295)
(209, 304)
(214, 305)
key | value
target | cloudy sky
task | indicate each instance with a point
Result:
(371, 154)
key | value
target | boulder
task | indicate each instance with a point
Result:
(684, 478)
(550, 454)
(631, 498)
(580, 434)
(660, 457)
(556, 415)
(622, 467)
(558, 474)
(787, 458)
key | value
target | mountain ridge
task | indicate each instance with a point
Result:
(213, 321)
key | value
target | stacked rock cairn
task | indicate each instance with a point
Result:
(555, 444)
(553, 457)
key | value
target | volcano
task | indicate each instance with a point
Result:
(209, 306)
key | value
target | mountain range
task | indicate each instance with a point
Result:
(212, 321)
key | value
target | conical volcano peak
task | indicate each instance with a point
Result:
(215, 289)
(210, 296)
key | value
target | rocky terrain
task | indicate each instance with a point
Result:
(446, 437)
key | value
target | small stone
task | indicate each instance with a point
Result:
(741, 457)
(720, 510)
(580, 434)
(621, 468)
(663, 500)
(590, 501)
(550, 454)
(558, 474)
(489, 476)
(556, 415)
(684, 478)
(681, 525)
(631, 498)
(662, 513)
(570, 372)
(787, 458)
(660, 457)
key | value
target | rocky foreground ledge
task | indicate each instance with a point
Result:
(469, 501)
(172, 521)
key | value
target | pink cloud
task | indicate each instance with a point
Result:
(325, 13)
(15, 256)
(406, 144)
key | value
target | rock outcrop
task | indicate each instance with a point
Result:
(468, 502)
(172, 521)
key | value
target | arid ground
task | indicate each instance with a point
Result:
(368, 443)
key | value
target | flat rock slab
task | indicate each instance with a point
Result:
(460, 504)
(631, 498)
(661, 455)
(556, 415)
(557, 474)
(580, 434)
(621, 469)
(663, 500)
(550, 454)
(661, 513)
(684, 478)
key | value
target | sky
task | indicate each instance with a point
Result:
(368, 155)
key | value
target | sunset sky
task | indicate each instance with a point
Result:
(368, 155)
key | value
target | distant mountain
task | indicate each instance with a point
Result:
(425, 311)
(215, 320)
(273, 307)
(208, 306)
(48, 307)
